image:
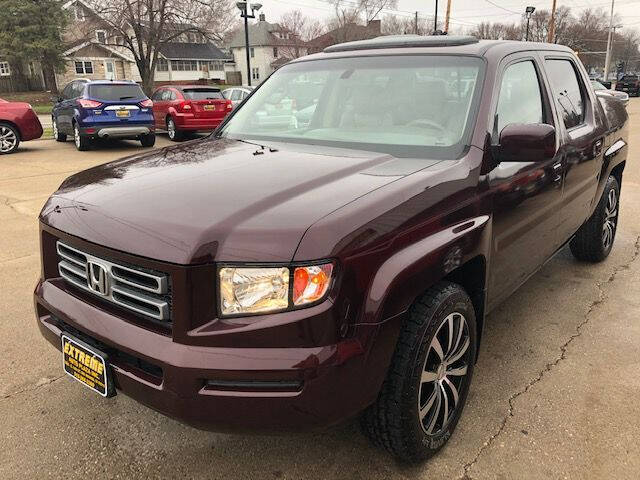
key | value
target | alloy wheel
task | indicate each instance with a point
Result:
(445, 368)
(76, 136)
(55, 128)
(8, 139)
(171, 129)
(610, 219)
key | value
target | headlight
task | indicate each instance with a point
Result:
(310, 284)
(250, 290)
(253, 290)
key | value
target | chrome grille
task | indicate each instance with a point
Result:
(136, 290)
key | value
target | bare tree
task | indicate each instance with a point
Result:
(146, 25)
(305, 28)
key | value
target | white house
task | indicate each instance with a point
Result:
(189, 61)
(270, 46)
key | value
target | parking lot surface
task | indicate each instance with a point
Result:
(554, 395)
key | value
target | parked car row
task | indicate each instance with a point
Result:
(101, 109)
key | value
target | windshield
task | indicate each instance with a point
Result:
(629, 78)
(407, 106)
(116, 92)
(201, 93)
(597, 85)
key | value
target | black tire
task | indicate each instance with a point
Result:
(148, 140)
(594, 240)
(82, 142)
(175, 135)
(57, 135)
(394, 420)
(9, 138)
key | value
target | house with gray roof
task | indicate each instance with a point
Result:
(270, 46)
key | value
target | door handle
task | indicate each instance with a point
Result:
(557, 171)
(597, 148)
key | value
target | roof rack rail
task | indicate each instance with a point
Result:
(403, 41)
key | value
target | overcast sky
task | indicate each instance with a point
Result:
(464, 13)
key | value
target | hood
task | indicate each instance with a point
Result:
(216, 199)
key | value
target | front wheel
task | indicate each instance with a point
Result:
(422, 398)
(148, 140)
(594, 240)
(9, 139)
(82, 142)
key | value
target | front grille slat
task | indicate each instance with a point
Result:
(143, 292)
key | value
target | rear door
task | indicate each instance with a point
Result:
(526, 195)
(583, 132)
(207, 102)
(159, 108)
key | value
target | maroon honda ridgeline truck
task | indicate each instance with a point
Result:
(333, 249)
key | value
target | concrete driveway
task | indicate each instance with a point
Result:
(555, 393)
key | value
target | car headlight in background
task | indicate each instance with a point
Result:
(251, 290)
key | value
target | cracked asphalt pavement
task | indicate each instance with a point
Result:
(554, 395)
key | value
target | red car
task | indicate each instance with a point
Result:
(18, 123)
(188, 108)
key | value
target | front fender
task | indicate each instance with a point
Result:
(411, 271)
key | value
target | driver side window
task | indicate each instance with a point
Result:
(520, 99)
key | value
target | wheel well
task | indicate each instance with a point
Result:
(12, 125)
(617, 172)
(472, 277)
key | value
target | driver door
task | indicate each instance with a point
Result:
(526, 196)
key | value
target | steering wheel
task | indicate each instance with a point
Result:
(424, 123)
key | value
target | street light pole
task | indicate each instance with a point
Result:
(607, 62)
(435, 20)
(242, 6)
(528, 12)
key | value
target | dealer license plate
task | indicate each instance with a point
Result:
(87, 365)
(209, 107)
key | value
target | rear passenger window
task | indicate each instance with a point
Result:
(520, 100)
(567, 92)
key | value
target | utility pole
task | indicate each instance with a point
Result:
(552, 26)
(415, 24)
(607, 62)
(435, 20)
(446, 18)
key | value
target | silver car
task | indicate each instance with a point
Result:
(236, 94)
(602, 90)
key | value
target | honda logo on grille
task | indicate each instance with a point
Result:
(97, 278)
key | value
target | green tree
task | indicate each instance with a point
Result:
(32, 30)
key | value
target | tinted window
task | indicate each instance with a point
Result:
(567, 91)
(78, 89)
(520, 100)
(406, 105)
(116, 92)
(67, 92)
(157, 95)
(201, 93)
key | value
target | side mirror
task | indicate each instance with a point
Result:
(56, 99)
(519, 142)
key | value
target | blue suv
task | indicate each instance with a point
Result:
(90, 109)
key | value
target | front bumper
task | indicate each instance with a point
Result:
(223, 388)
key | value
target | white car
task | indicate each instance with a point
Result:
(237, 94)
